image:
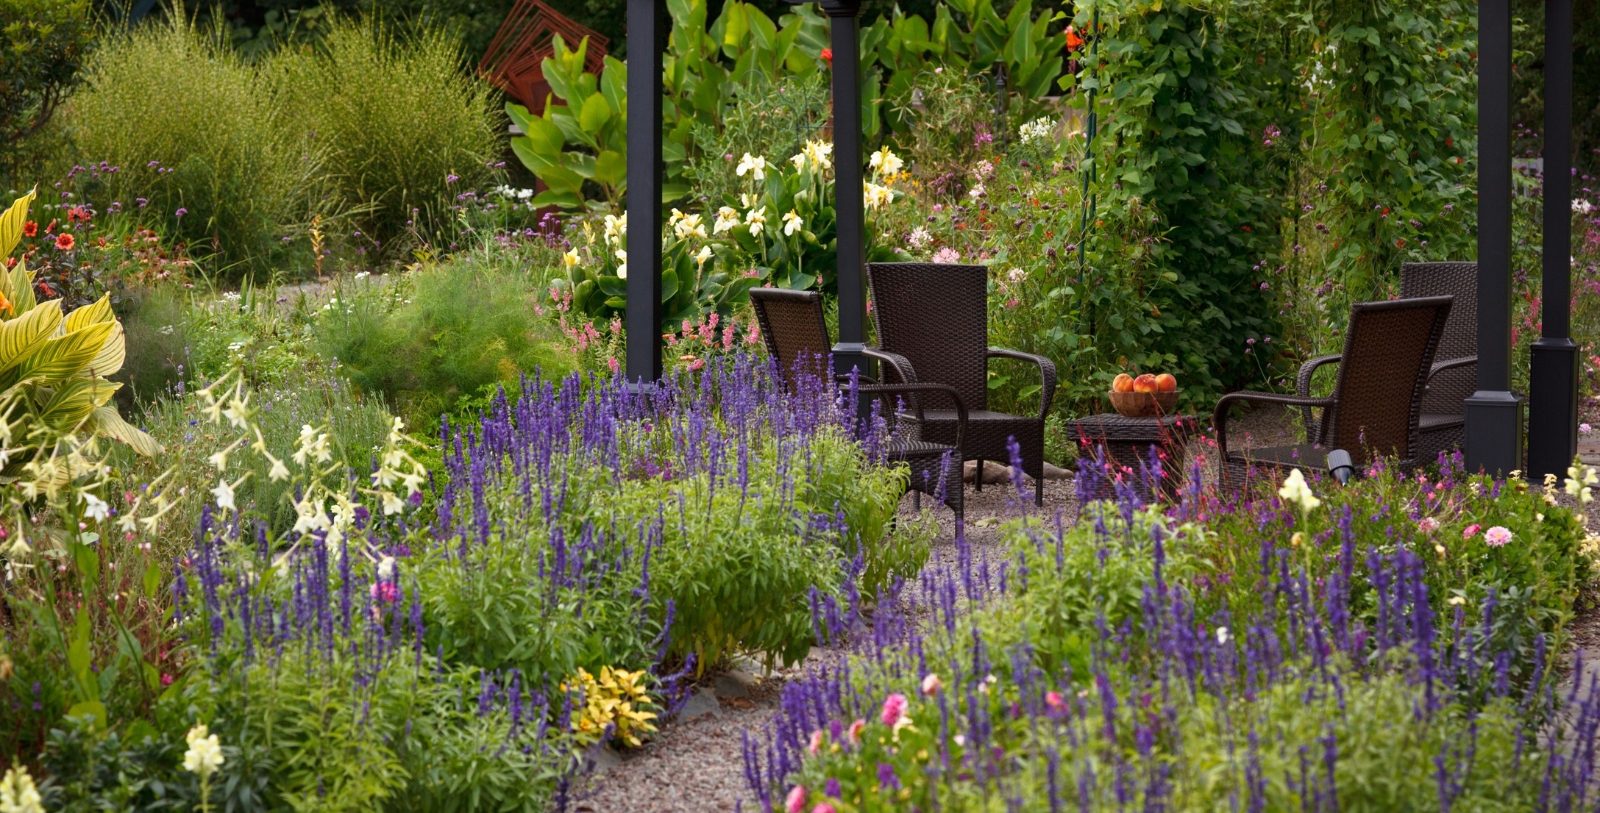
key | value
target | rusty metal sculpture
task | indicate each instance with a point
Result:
(515, 58)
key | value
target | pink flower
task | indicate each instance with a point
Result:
(796, 800)
(1054, 701)
(946, 255)
(822, 807)
(931, 684)
(894, 708)
(1471, 531)
(1428, 525)
(1497, 536)
(816, 742)
(612, 363)
(855, 731)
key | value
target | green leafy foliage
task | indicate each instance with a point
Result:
(424, 339)
(43, 45)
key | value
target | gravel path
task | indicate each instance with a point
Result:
(696, 763)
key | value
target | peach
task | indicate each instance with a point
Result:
(1122, 383)
(1166, 383)
(1144, 383)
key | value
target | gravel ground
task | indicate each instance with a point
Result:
(698, 764)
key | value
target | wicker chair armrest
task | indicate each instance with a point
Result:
(1302, 386)
(1219, 418)
(947, 390)
(1451, 364)
(1047, 374)
(899, 364)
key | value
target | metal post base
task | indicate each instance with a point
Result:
(848, 356)
(1494, 432)
(1552, 407)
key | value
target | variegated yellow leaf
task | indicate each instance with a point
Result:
(24, 335)
(22, 298)
(110, 358)
(65, 355)
(73, 402)
(91, 314)
(110, 424)
(12, 221)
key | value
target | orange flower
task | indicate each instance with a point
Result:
(827, 55)
(1073, 40)
(65, 242)
(30, 229)
(50, 228)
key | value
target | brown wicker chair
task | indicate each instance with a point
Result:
(1442, 425)
(795, 332)
(935, 318)
(1376, 403)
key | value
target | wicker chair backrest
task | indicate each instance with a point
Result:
(1387, 352)
(795, 331)
(1449, 390)
(937, 316)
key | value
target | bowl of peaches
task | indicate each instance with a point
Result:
(1144, 396)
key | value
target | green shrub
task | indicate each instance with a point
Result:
(396, 118)
(43, 43)
(216, 157)
(426, 338)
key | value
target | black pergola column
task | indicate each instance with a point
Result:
(1553, 419)
(1494, 413)
(647, 37)
(849, 212)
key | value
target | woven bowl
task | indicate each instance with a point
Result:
(1144, 404)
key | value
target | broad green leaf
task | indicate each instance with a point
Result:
(22, 298)
(90, 708)
(762, 30)
(737, 28)
(610, 167)
(596, 112)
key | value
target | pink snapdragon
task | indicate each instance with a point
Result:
(1471, 530)
(795, 802)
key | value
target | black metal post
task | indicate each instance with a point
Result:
(647, 36)
(1553, 384)
(1494, 414)
(849, 213)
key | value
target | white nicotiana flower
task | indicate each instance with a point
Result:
(753, 164)
(1222, 635)
(622, 270)
(1035, 131)
(1297, 490)
(885, 162)
(386, 568)
(756, 219)
(204, 756)
(360, 275)
(792, 223)
(392, 504)
(224, 495)
(95, 508)
(18, 793)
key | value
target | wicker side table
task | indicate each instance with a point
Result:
(1126, 444)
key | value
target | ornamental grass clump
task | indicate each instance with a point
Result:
(1231, 653)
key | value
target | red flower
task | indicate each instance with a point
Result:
(50, 228)
(1073, 40)
(78, 214)
(65, 242)
(827, 55)
(1400, 243)
(30, 229)
(1246, 228)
